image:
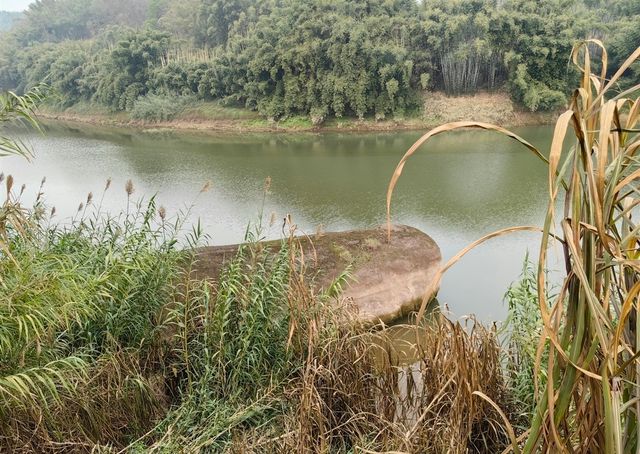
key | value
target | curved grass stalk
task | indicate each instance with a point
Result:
(14, 107)
(442, 129)
(590, 403)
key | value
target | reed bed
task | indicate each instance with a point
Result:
(80, 315)
(590, 401)
(109, 343)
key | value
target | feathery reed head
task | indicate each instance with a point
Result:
(9, 184)
(128, 187)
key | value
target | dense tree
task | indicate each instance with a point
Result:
(127, 69)
(215, 19)
(61, 20)
(318, 57)
(340, 57)
(179, 19)
(536, 39)
(457, 33)
(625, 38)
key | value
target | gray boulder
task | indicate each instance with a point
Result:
(388, 278)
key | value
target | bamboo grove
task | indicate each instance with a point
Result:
(363, 58)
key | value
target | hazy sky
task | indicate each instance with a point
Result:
(14, 5)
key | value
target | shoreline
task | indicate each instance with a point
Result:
(237, 126)
(438, 109)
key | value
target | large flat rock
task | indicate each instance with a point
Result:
(388, 278)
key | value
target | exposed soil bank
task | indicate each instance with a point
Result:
(487, 107)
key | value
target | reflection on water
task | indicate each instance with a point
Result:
(428, 357)
(459, 188)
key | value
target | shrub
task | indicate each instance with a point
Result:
(160, 107)
(540, 97)
(523, 329)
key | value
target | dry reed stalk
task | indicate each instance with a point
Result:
(592, 399)
(353, 396)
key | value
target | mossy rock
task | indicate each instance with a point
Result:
(388, 278)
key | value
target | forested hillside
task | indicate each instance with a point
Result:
(362, 58)
(7, 19)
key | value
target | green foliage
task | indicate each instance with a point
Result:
(80, 321)
(155, 10)
(159, 108)
(62, 20)
(102, 326)
(337, 58)
(128, 68)
(179, 19)
(216, 18)
(240, 355)
(316, 58)
(458, 38)
(536, 39)
(624, 41)
(523, 329)
(15, 108)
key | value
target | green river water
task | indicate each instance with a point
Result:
(458, 188)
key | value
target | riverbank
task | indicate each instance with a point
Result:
(211, 116)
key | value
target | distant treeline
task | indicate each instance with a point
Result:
(314, 57)
(7, 18)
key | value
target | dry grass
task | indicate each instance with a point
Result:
(488, 107)
(591, 401)
(354, 397)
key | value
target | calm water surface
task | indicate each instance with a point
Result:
(458, 188)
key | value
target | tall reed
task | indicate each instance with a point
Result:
(80, 323)
(109, 343)
(591, 399)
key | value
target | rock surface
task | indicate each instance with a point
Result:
(387, 278)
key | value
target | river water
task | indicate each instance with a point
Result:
(458, 188)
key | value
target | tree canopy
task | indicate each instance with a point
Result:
(319, 58)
